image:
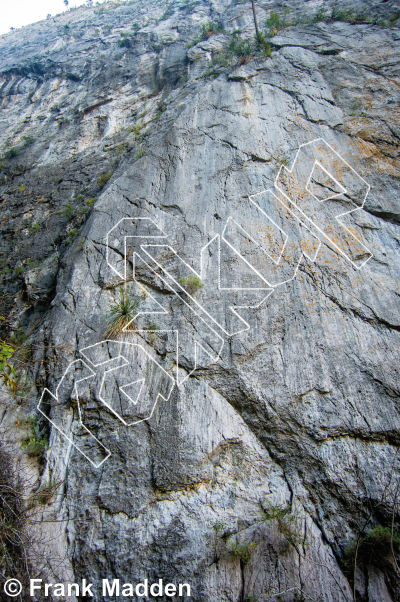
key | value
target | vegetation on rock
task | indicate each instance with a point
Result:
(121, 311)
(191, 283)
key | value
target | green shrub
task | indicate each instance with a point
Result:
(28, 141)
(35, 228)
(17, 150)
(153, 334)
(6, 369)
(103, 178)
(242, 551)
(275, 512)
(73, 233)
(221, 60)
(32, 264)
(90, 202)
(272, 23)
(207, 30)
(286, 522)
(348, 16)
(13, 152)
(34, 444)
(34, 447)
(210, 74)
(169, 12)
(18, 337)
(69, 211)
(373, 548)
(136, 129)
(140, 153)
(191, 283)
(276, 22)
(263, 46)
(394, 18)
(122, 147)
(239, 47)
(219, 526)
(124, 43)
(161, 110)
(321, 15)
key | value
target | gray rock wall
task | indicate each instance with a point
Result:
(276, 447)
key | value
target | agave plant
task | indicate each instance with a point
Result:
(121, 312)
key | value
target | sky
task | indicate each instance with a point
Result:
(16, 13)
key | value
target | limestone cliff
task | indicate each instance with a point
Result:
(150, 155)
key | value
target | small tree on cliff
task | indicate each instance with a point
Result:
(262, 43)
(255, 19)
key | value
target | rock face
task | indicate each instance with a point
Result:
(244, 452)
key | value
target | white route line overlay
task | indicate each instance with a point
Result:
(214, 357)
(311, 258)
(160, 237)
(92, 374)
(55, 397)
(144, 247)
(337, 217)
(101, 394)
(201, 275)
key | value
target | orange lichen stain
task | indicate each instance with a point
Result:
(374, 156)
